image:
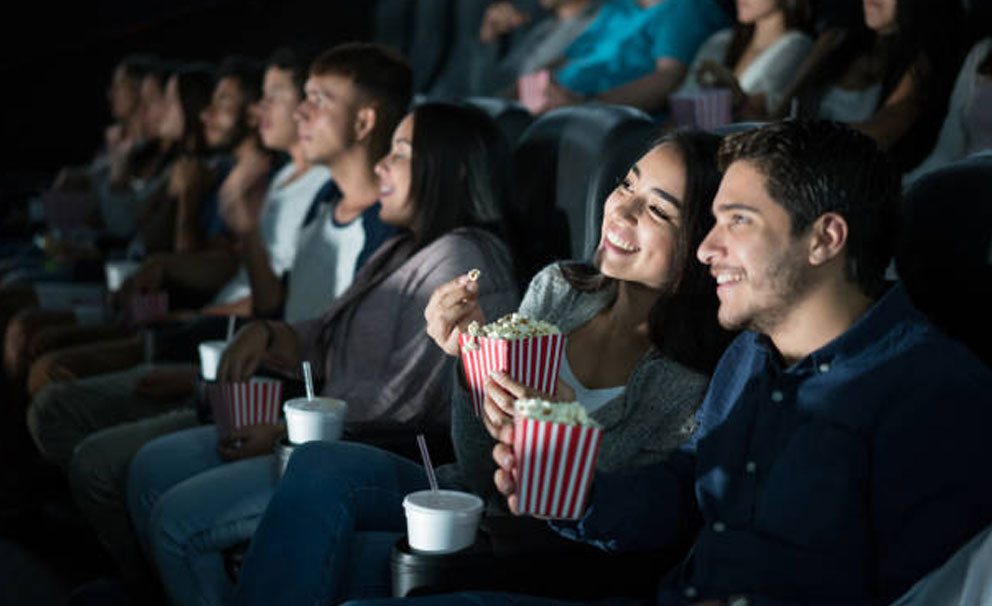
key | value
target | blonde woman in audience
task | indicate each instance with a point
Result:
(889, 77)
(758, 58)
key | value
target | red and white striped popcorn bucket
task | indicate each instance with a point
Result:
(147, 307)
(532, 361)
(706, 109)
(241, 404)
(531, 90)
(554, 466)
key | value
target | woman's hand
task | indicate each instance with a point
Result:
(502, 392)
(148, 278)
(249, 441)
(244, 353)
(556, 95)
(451, 308)
(242, 194)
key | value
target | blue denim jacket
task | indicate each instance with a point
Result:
(842, 478)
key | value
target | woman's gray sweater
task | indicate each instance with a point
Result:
(652, 417)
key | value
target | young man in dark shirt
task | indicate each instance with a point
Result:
(842, 451)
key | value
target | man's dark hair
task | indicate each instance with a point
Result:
(294, 60)
(138, 66)
(818, 166)
(382, 78)
(247, 72)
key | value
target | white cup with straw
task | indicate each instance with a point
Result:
(440, 521)
(314, 417)
(212, 351)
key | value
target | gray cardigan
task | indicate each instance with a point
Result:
(652, 417)
(371, 347)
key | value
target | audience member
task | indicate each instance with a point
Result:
(890, 76)
(967, 127)
(355, 95)
(635, 53)
(502, 54)
(445, 181)
(642, 337)
(818, 473)
(758, 58)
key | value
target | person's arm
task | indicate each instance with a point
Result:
(188, 183)
(897, 115)
(242, 307)
(204, 271)
(267, 289)
(930, 472)
(276, 343)
(825, 44)
(650, 92)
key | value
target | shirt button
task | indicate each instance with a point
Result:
(751, 467)
(690, 592)
(824, 367)
(719, 526)
(777, 396)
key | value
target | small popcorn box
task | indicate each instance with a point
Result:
(554, 466)
(145, 308)
(240, 404)
(706, 109)
(533, 361)
(531, 88)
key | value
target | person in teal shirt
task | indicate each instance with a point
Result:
(636, 52)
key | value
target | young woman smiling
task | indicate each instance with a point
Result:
(641, 324)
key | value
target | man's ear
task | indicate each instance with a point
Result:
(828, 238)
(365, 119)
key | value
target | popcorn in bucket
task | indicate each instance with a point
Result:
(529, 351)
(240, 404)
(531, 90)
(704, 109)
(555, 445)
(145, 308)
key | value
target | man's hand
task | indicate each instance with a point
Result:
(250, 441)
(167, 383)
(187, 176)
(243, 193)
(147, 278)
(556, 95)
(502, 392)
(501, 18)
(451, 308)
(244, 353)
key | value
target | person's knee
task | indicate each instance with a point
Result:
(15, 346)
(46, 419)
(48, 370)
(97, 469)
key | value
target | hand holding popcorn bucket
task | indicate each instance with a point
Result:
(244, 403)
(528, 351)
(555, 447)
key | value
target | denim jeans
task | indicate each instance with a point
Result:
(187, 506)
(328, 531)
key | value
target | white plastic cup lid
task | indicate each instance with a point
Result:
(318, 404)
(444, 502)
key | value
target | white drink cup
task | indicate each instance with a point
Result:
(210, 354)
(441, 522)
(118, 271)
(317, 419)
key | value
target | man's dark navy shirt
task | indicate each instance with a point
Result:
(842, 478)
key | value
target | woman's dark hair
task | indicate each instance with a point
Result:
(798, 16)
(195, 83)
(461, 172)
(683, 322)
(926, 45)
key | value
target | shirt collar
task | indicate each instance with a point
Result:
(892, 309)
